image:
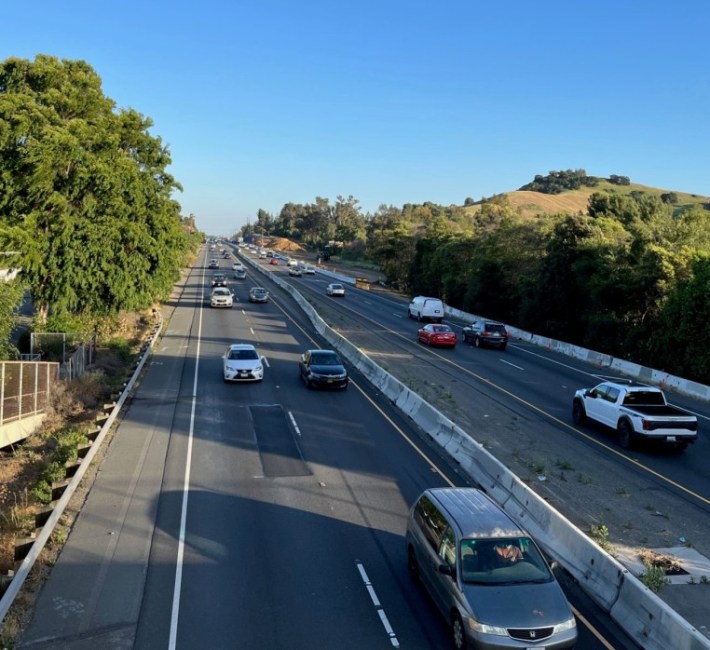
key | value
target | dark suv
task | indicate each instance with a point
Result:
(486, 332)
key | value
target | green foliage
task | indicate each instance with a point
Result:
(669, 197)
(559, 181)
(65, 450)
(84, 192)
(654, 577)
(11, 294)
(615, 179)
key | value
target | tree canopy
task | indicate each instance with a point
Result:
(85, 196)
(629, 278)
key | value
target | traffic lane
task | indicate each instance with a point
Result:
(544, 388)
(310, 530)
(326, 433)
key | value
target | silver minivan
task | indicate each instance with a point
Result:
(485, 574)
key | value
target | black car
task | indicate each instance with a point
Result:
(219, 280)
(486, 332)
(323, 368)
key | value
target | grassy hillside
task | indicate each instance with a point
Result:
(572, 201)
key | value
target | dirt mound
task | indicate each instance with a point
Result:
(283, 244)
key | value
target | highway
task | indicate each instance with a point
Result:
(270, 516)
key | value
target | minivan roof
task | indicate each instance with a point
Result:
(475, 513)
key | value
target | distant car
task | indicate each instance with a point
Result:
(292, 262)
(486, 332)
(322, 368)
(241, 362)
(295, 271)
(274, 261)
(335, 289)
(258, 294)
(435, 334)
(309, 270)
(221, 297)
(237, 265)
(240, 274)
(219, 280)
(214, 263)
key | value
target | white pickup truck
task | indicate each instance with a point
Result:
(635, 411)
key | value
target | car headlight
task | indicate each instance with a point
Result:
(482, 628)
(569, 624)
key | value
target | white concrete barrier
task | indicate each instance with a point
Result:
(648, 620)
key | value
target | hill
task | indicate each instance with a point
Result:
(573, 201)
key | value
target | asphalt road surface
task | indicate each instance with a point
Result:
(250, 515)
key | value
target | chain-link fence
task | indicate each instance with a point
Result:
(25, 388)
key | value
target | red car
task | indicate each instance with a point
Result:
(435, 334)
(274, 261)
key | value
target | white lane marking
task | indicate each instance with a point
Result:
(293, 422)
(265, 361)
(175, 612)
(251, 329)
(512, 364)
(376, 602)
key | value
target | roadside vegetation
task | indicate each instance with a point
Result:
(625, 270)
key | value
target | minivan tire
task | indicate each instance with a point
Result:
(458, 633)
(413, 566)
(477, 342)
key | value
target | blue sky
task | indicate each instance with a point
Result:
(267, 102)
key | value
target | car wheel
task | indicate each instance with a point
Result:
(579, 415)
(409, 314)
(458, 633)
(419, 317)
(477, 341)
(413, 566)
(625, 434)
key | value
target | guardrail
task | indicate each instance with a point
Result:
(632, 605)
(35, 545)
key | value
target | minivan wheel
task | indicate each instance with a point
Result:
(477, 342)
(413, 566)
(458, 634)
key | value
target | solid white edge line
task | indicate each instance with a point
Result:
(175, 612)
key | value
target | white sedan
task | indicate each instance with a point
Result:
(335, 289)
(241, 362)
(221, 297)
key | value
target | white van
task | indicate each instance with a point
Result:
(423, 308)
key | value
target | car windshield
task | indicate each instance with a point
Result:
(493, 327)
(441, 328)
(498, 561)
(336, 286)
(220, 292)
(325, 359)
(242, 355)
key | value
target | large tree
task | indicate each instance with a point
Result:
(85, 197)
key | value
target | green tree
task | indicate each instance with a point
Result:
(679, 343)
(86, 198)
